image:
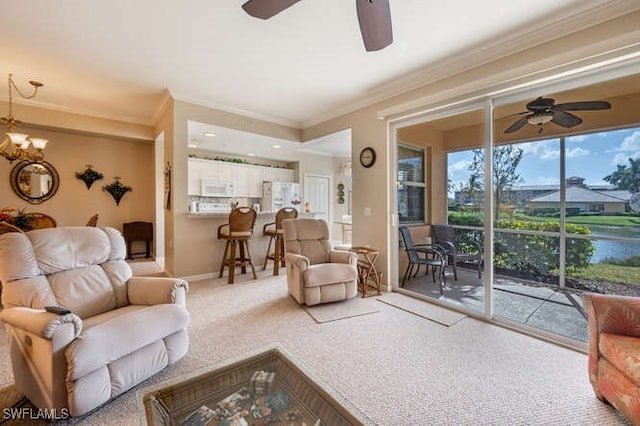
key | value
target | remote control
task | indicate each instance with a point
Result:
(57, 310)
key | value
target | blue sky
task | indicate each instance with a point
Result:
(592, 156)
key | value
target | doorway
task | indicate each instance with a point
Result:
(316, 193)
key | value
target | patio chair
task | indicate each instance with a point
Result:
(434, 256)
(445, 237)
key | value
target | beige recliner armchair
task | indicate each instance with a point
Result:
(315, 272)
(121, 329)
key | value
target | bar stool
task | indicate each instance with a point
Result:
(276, 234)
(238, 231)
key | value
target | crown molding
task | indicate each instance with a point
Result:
(616, 61)
(239, 111)
(590, 14)
(82, 112)
(163, 105)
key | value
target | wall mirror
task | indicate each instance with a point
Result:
(34, 182)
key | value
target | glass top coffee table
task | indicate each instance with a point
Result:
(262, 388)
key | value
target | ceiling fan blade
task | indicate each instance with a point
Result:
(375, 23)
(584, 106)
(265, 9)
(517, 125)
(540, 104)
(565, 119)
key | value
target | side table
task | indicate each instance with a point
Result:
(138, 231)
(367, 270)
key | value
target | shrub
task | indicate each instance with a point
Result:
(532, 254)
(629, 261)
(539, 254)
(466, 218)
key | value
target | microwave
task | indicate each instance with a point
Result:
(216, 188)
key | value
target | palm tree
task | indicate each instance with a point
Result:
(626, 177)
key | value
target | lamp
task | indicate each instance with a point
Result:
(541, 118)
(15, 146)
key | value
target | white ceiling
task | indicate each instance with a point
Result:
(245, 144)
(116, 58)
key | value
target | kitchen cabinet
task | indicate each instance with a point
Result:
(256, 176)
(241, 180)
(279, 175)
(247, 178)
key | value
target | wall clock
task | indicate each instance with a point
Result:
(367, 157)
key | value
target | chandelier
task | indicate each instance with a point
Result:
(15, 146)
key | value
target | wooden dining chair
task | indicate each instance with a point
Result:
(44, 221)
(237, 233)
(93, 220)
(274, 231)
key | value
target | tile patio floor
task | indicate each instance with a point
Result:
(544, 307)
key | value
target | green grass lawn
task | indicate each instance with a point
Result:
(587, 220)
(610, 273)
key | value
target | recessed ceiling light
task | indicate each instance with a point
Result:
(277, 146)
(209, 134)
(192, 145)
(251, 154)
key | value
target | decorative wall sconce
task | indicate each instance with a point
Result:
(89, 176)
(117, 189)
(167, 186)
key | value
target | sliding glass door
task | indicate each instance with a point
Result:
(561, 205)
(423, 181)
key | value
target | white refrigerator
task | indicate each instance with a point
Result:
(276, 195)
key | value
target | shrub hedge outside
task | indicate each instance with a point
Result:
(526, 253)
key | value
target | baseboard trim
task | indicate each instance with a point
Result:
(200, 277)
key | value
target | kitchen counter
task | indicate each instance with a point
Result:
(218, 215)
(200, 229)
(222, 215)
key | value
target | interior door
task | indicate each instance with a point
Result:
(316, 192)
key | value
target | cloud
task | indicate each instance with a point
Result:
(545, 150)
(458, 166)
(631, 142)
(577, 152)
(578, 138)
(623, 158)
(548, 180)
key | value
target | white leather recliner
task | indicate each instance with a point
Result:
(121, 329)
(315, 272)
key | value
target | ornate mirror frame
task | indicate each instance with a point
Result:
(21, 180)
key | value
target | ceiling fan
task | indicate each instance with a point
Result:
(544, 110)
(374, 17)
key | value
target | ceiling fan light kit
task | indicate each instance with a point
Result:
(374, 17)
(544, 110)
(540, 118)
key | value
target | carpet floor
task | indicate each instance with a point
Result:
(394, 367)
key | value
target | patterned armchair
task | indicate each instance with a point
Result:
(614, 351)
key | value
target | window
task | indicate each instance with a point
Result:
(411, 184)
